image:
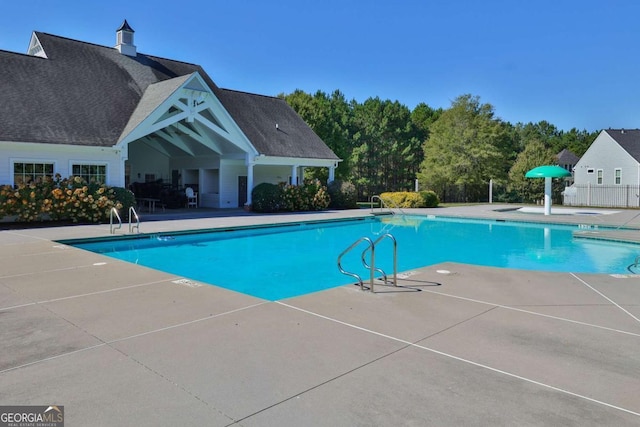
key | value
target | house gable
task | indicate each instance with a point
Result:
(606, 154)
(185, 113)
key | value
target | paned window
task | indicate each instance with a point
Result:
(617, 177)
(91, 173)
(26, 172)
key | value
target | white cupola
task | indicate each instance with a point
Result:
(124, 39)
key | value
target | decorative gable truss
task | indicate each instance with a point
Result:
(182, 116)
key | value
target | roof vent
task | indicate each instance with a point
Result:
(124, 39)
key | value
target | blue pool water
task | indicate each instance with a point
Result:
(280, 262)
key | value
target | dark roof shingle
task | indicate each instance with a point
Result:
(273, 127)
(629, 139)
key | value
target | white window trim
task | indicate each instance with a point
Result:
(600, 177)
(615, 171)
(13, 161)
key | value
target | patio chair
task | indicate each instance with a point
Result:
(192, 197)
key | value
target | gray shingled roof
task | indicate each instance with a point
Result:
(629, 139)
(258, 115)
(83, 94)
(567, 157)
(86, 94)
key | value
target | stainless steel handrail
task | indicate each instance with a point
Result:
(389, 204)
(354, 275)
(111, 214)
(395, 258)
(133, 213)
(372, 268)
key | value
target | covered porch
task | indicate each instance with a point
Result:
(181, 136)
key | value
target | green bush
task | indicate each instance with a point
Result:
(406, 199)
(69, 199)
(402, 199)
(343, 195)
(266, 197)
(430, 199)
(312, 196)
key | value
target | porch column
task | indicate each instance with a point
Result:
(249, 182)
(332, 173)
(294, 175)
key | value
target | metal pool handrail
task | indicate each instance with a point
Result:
(348, 273)
(387, 204)
(372, 268)
(395, 258)
(113, 212)
(133, 213)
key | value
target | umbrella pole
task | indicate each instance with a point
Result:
(547, 196)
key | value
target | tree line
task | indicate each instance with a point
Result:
(385, 146)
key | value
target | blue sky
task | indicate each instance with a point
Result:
(574, 63)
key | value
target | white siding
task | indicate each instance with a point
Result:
(63, 156)
(230, 170)
(606, 154)
(147, 161)
(271, 174)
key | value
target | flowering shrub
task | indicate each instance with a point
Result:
(69, 199)
(312, 196)
(406, 199)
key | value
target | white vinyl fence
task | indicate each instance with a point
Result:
(606, 196)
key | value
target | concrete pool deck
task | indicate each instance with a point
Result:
(120, 344)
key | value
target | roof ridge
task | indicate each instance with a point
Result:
(112, 48)
(251, 93)
(72, 40)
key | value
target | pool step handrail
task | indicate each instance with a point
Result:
(354, 275)
(372, 268)
(133, 214)
(385, 203)
(395, 258)
(114, 213)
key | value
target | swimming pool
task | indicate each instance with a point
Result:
(276, 262)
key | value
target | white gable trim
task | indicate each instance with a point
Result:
(293, 161)
(35, 47)
(187, 103)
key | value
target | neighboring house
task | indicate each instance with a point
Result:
(608, 174)
(118, 116)
(567, 160)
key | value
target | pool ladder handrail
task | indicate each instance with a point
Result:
(132, 214)
(389, 204)
(372, 268)
(395, 259)
(112, 213)
(354, 275)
